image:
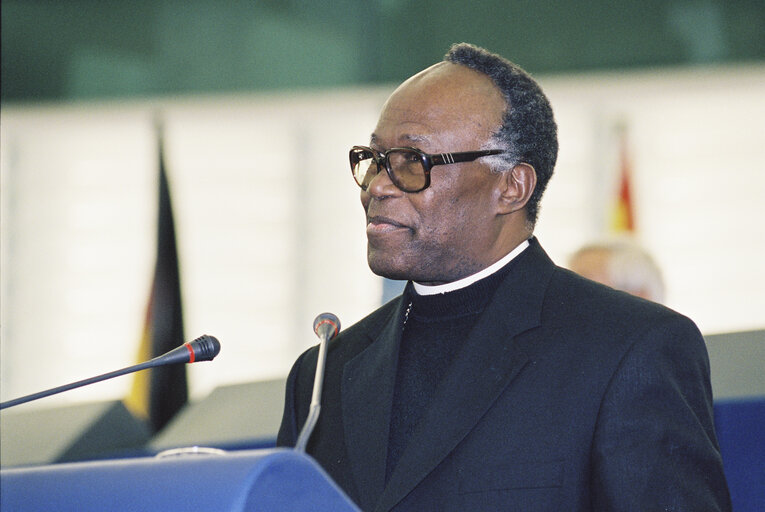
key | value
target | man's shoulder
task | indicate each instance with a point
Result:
(585, 306)
(573, 290)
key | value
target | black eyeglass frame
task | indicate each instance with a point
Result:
(428, 161)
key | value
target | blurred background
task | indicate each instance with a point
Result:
(259, 102)
(84, 49)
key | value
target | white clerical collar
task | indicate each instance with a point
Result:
(424, 289)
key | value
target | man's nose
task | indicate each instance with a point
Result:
(382, 186)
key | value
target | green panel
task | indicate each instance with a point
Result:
(94, 49)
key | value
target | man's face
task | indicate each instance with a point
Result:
(451, 229)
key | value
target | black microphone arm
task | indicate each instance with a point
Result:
(204, 348)
(326, 326)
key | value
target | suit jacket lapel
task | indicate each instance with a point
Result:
(367, 398)
(481, 370)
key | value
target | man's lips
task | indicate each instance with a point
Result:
(379, 224)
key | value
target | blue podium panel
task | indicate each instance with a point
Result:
(277, 479)
(740, 425)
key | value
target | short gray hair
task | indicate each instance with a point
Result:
(528, 130)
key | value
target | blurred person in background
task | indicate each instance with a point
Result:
(621, 264)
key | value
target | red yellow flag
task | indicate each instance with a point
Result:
(622, 214)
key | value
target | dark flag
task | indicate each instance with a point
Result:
(158, 394)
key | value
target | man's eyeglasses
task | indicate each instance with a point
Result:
(407, 168)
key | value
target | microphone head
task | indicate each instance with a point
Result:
(205, 348)
(326, 325)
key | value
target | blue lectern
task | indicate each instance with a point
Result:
(270, 480)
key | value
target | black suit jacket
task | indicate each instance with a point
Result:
(566, 396)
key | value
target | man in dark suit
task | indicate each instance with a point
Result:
(498, 381)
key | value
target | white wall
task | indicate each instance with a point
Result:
(271, 233)
(698, 158)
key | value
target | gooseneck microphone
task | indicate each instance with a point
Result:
(326, 326)
(204, 348)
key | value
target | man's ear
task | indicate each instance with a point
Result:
(517, 186)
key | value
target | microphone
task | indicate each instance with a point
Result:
(204, 348)
(326, 326)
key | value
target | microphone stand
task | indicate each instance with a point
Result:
(79, 383)
(204, 348)
(326, 326)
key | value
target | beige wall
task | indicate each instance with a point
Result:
(271, 232)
